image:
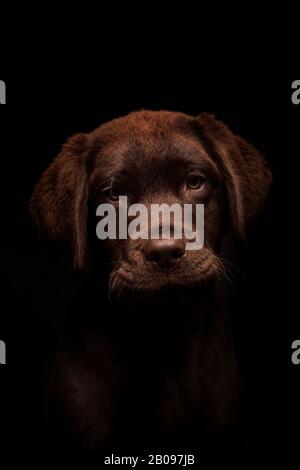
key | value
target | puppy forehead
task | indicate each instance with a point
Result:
(150, 140)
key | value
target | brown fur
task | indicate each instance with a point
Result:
(160, 353)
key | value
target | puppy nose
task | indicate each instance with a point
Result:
(164, 253)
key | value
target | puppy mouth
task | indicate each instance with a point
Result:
(131, 282)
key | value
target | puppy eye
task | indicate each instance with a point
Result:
(114, 194)
(116, 190)
(195, 182)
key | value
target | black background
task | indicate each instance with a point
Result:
(64, 83)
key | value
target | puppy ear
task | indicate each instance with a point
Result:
(247, 174)
(58, 205)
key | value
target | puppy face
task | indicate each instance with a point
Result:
(152, 158)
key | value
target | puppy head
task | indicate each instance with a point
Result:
(152, 158)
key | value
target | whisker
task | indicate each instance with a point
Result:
(222, 269)
(111, 284)
(238, 275)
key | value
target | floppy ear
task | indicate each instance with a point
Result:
(58, 205)
(247, 174)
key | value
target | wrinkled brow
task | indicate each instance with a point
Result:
(180, 154)
(190, 150)
(109, 165)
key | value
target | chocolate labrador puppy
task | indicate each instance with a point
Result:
(146, 347)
